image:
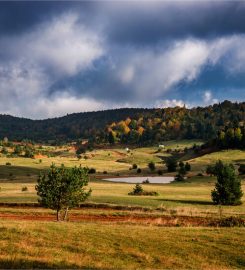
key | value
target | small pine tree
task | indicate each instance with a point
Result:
(62, 188)
(228, 186)
(138, 189)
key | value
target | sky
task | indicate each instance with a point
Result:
(58, 58)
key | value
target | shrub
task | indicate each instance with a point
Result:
(24, 188)
(8, 164)
(104, 172)
(92, 171)
(146, 181)
(138, 170)
(228, 189)
(199, 174)
(134, 166)
(179, 177)
(138, 191)
(181, 164)
(29, 152)
(152, 166)
(160, 172)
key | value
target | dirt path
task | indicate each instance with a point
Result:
(108, 218)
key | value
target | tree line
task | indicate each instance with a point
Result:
(130, 126)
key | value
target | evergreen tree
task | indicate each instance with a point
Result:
(62, 188)
(228, 186)
(171, 164)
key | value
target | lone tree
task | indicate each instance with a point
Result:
(62, 188)
(228, 186)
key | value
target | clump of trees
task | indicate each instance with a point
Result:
(228, 189)
(62, 188)
(182, 171)
(231, 138)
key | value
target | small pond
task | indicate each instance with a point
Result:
(134, 180)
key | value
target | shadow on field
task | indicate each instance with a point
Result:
(12, 172)
(239, 160)
(187, 201)
(35, 264)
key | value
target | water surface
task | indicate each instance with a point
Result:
(136, 179)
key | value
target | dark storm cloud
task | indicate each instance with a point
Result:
(151, 23)
(20, 16)
(134, 22)
(66, 56)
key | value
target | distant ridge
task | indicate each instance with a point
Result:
(158, 124)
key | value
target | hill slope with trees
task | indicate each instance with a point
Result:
(134, 126)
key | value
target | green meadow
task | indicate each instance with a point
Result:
(96, 238)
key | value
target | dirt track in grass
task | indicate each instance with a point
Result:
(169, 221)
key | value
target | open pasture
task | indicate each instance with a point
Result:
(86, 245)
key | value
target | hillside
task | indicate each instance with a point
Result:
(133, 126)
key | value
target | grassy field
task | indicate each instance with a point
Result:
(89, 245)
(31, 240)
(191, 198)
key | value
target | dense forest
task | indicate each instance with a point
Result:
(134, 126)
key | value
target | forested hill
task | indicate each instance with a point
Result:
(136, 126)
(69, 127)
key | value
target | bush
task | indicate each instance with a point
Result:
(8, 164)
(152, 166)
(228, 189)
(138, 191)
(199, 174)
(134, 166)
(104, 172)
(29, 152)
(179, 177)
(138, 170)
(92, 171)
(160, 172)
(146, 181)
(24, 188)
